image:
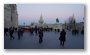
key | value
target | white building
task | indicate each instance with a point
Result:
(10, 16)
(42, 24)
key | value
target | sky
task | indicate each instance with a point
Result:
(28, 13)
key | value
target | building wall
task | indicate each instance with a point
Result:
(54, 26)
(10, 16)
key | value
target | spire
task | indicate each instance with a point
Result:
(41, 19)
(73, 19)
(73, 16)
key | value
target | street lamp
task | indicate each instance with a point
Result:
(24, 25)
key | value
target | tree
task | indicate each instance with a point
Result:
(57, 20)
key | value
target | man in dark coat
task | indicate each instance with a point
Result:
(82, 31)
(62, 37)
(40, 32)
(58, 30)
(11, 33)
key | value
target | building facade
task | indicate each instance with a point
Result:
(41, 23)
(10, 16)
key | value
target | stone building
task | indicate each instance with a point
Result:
(10, 16)
(41, 23)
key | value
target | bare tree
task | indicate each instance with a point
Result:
(72, 22)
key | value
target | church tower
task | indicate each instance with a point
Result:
(41, 21)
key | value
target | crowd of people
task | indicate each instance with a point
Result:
(39, 31)
(11, 30)
(76, 31)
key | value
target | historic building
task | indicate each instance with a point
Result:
(10, 16)
(41, 23)
(72, 24)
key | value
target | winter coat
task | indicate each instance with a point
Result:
(62, 36)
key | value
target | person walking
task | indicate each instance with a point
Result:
(40, 32)
(5, 31)
(22, 31)
(31, 31)
(62, 37)
(36, 30)
(11, 33)
(19, 33)
(82, 31)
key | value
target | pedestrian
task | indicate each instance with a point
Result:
(58, 30)
(82, 31)
(31, 30)
(11, 33)
(5, 31)
(22, 31)
(55, 30)
(15, 29)
(36, 30)
(40, 32)
(62, 37)
(19, 33)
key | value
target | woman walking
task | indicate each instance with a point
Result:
(62, 37)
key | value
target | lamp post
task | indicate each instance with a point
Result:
(24, 25)
(57, 22)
